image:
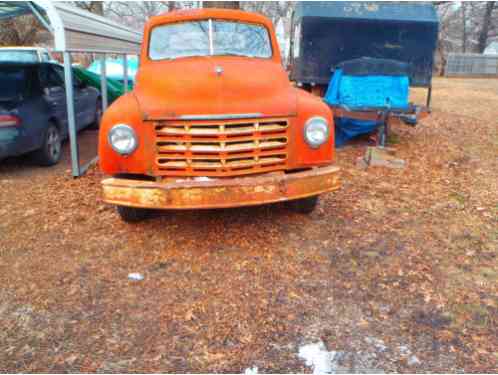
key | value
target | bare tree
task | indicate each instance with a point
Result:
(221, 4)
(464, 20)
(96, 7)
(280, 12)
(136, 13)
(22, 31)
(488, 24)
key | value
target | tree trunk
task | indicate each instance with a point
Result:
(442, 56)
(464, 27)
(98, 7)
(221, 4)
(486, 23)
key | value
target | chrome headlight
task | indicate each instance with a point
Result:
(316, 132)
(123, 139)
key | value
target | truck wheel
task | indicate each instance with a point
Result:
(133, 214)
(304, 205)
(50, 151)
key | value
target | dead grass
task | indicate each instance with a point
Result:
(408, 257)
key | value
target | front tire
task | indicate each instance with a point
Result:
(50, 152)
(304, 205)
(133, 214)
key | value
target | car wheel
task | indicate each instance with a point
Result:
(304, 205)
(133, 214)
(98, 115)
(50, 152)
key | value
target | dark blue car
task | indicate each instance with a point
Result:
(33, 114)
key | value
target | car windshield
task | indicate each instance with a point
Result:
(18, 56)
(12, 82)
(199, 38)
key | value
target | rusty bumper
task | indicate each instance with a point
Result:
(219, 193)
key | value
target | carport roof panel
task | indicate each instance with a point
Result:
(76, 29)
(85, 31)
(9, 9)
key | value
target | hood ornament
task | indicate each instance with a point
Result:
(218, 70)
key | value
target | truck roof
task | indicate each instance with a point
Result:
(367, 10)
(197, 14)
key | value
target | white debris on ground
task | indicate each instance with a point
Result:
(413, 361)
(377, 343)
(135, 276)
(404, 351)
(251, 371)
(317, 357)
(323, 361)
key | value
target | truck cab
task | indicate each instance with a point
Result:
(213, 121)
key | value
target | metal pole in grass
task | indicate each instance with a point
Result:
(103, 82)
(68, 81)
(125, 69)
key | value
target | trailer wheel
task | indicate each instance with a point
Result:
(133, 214)
(304, 205)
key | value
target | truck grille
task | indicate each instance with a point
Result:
(220, 148)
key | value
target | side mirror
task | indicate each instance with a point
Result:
(49, 91)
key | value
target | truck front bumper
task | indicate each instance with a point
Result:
(221, 192)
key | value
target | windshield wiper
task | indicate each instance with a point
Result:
(233, 54)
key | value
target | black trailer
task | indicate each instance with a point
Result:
(328, 33)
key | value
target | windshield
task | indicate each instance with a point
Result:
(12, 82)
(199, 38)
(18, 56)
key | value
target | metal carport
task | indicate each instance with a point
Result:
(77, 30)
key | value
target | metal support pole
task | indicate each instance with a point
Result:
(71, 119)
(103, 82)
(40, 17)
(429, 96)
(125, 72)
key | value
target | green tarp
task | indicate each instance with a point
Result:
(114, 88)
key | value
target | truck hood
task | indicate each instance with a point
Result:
(227, 85)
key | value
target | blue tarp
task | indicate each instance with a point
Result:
(364, 92)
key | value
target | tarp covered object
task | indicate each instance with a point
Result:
(114, 88)
(366, 84)
(326, 33)
(114, 68)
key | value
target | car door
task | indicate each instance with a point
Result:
(81, 98)
(87, 100)
(54, 94)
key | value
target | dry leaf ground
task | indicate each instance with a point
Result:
(397, 271)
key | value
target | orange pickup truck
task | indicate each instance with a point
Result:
(213, 122)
